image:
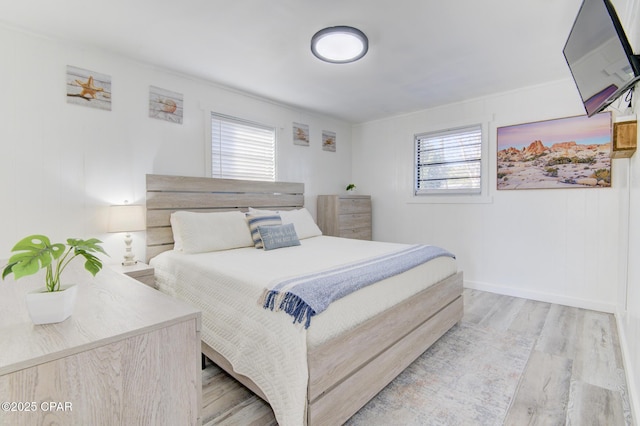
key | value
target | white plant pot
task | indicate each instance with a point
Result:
(47, 307)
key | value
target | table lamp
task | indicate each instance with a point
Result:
(127, 218)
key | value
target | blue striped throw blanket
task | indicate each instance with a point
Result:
(304, 296)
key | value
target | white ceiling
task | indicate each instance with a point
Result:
(422, 53)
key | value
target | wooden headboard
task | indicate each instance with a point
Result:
(167, 194)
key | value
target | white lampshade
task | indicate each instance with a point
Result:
(126, 218)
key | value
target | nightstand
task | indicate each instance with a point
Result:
(140, 271)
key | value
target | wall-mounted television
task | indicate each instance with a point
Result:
(600, 57)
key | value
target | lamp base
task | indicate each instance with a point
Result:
(129, 258)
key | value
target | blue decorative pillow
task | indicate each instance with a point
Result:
(274, 237)
(257, 220)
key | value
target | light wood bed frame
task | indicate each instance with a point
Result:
(349, 370)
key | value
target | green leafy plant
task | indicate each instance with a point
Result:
(351, 187)
(36, 252)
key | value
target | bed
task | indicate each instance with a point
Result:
(320, 375)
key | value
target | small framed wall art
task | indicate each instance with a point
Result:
(166, 105)
(301, 134)
(88, 88)
(328, 141)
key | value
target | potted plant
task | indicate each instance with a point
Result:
(351, 187)
(55, 302)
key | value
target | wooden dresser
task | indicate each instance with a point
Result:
(128, 355)
(346, 216)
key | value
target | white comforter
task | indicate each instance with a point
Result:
(264, 345)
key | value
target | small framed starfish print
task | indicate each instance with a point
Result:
(88, 88)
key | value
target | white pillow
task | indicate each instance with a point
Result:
(260, 211)
(203, 232)
(302, 220)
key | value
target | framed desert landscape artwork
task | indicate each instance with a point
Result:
(88, 88)
(571, 152)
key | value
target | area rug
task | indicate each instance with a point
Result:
(468, 377)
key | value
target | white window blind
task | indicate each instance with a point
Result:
(449, 161)
(242, 149)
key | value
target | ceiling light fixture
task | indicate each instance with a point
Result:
(339, 45)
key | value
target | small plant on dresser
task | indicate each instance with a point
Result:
(54, 302)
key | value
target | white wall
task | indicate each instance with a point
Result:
(578, 247)
(61, 165)
(628, 308)
(628, 313)
(556, 245)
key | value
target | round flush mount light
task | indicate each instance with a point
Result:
(339, 45)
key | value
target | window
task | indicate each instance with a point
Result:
(449, 161)
(242, 149)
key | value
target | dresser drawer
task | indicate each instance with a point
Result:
(356, 233)
(355, 220)
(354, 205)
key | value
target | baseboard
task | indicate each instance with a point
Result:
(543, 297)
(629, 368)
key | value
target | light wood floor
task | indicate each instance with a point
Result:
(574, 374)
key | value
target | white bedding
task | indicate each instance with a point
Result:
(264, 345)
